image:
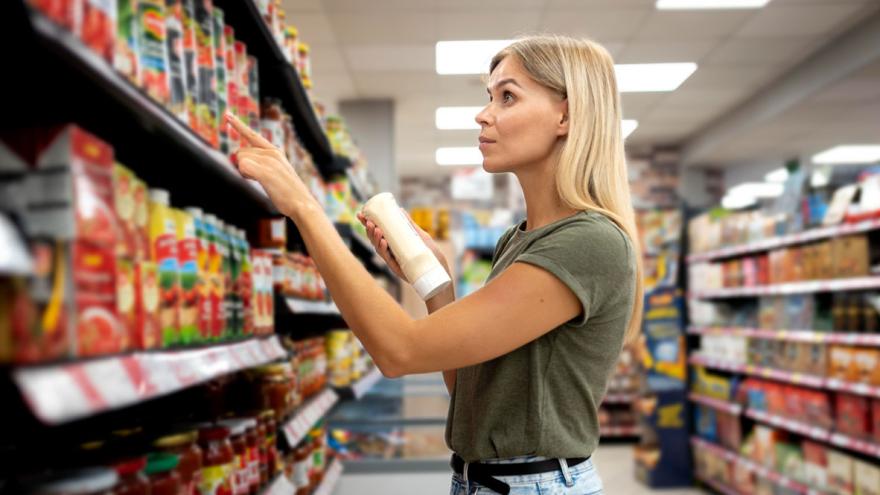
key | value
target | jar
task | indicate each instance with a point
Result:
(252, 438)
(184, 445)
(238, 439)
(90, 481)
(275, 388)
(163, 474)
(302, 462)
(132, 480)
(316, 473)
(218, 460)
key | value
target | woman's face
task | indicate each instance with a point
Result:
(523, 121)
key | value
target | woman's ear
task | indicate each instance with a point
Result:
(562, 126)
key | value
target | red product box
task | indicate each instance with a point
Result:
(67, 13)
(97, 328)
(148, 330)
(853, 415)
(71, 193)
(98, 27)
(126, 306)
(763, 269)
(875, 419)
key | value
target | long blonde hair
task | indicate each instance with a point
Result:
(591, 174)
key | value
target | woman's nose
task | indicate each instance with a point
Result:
(484, 117)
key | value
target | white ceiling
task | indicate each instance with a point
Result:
(385, 49)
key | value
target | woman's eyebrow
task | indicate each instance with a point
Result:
(505, 81)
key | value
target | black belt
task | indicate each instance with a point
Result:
(484, 474)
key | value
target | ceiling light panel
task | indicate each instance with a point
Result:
(457, 117)
(467, 57)
(849, 154)
(648, 78)
(467, 155)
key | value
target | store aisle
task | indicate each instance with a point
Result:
(615, 462)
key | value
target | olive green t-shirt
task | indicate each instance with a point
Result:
(543, 398)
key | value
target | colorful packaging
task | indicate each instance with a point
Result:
(98, 27)
(875, 419)
(241, 82)
(187, 259)
(233, 304)
(851, 256)
(125, 58)
(216, 280)
(867, 361)
(207, 100)
(190, 64)
(841, 363)
(202, 282)
(152, 49)
(174, 36)
(232, 136)
(867, 478)
(123, 193)
(126, 306)
(97, 330)
(148, 329)
(221, 77)
(246, 285)
(253, 93)
(852, 415)
(141, 220)
(163, 240)
(815, 463)
(67, 13)
(840, 472)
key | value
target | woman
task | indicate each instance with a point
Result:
(527, 357)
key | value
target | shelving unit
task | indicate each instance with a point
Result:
(809, 287)
(357, 390)
(304, 418)
(331, 478)
(787, 240)
(775, 477)
(65, 392)
(847, 338)
(717, 404)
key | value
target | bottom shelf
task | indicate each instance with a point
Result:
(717, 485)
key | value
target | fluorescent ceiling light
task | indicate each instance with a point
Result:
(467, 57)
(457, 117)
(735, 202)
(710, 4)
(627, 126)
(468, 155)
(778, 175)
(758, 189)
(849, 154)
(645, 78)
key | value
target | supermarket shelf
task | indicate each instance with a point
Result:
(280, 486)
(619, 431)
(775, 477)
(135, 120)
(331, 478)
(788, 240)
(809, 287)
(848, 338)
(788, 377)
(717, 485)
(855, 444)
(358, 188)
(814, 432)
(306, 306)
(280, 79)
(67, 391)
(296, 428)
(769, 373)
(361, 387)
(717, 404)
(619, 399)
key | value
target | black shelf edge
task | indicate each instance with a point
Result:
(364, 250)
(56, 47)
(278, 78)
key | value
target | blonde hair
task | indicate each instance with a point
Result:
(591, 174)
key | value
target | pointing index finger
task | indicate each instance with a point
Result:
(254, 138)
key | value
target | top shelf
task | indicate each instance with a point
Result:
(280, 79)
(787, 240)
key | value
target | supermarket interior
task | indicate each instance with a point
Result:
(164, 329)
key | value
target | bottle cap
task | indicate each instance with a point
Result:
(160, 196)
(432, 282)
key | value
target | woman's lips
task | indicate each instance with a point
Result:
(485, 143)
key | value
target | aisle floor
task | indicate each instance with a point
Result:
(615, 463)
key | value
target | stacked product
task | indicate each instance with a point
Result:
(118, 268)
(347, 361)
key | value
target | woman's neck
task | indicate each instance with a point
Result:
(543, 205)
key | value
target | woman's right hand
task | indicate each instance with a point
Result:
(377, 238)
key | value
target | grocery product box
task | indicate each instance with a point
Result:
(867, 478)
(98, 26)
(67, 13)
(867, 362)
(850, 256)
(815, 464)
(152, 49)
(853, 415)
(125, 56)
(842, 363)
(875, 419)
(174, 42)
(203, 23)
(221, 77)
(840, 473)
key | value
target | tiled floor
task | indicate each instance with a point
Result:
(615, 463)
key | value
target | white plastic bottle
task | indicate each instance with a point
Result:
(419, 265)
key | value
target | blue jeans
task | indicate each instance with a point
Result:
(582, 479)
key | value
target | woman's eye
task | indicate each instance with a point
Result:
(508, 97)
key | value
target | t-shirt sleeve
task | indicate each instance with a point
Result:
(593, 258)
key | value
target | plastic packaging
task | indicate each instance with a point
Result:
(419, 265)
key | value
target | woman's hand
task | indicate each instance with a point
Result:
(262, 161)
(377, 237)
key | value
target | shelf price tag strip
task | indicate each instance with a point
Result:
(306, 417)
(331, 478)
(366, 383)
(64, 392)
